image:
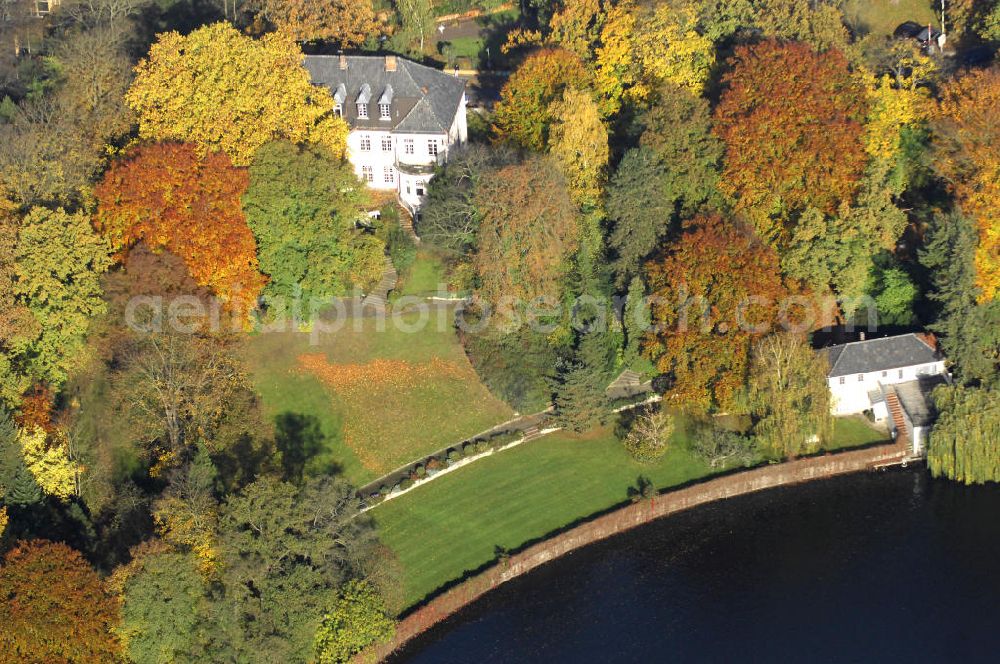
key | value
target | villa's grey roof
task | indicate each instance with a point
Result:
(424, 100)
(364, 94)
(905, 350)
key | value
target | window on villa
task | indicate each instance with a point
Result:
(408, 146)
(366, 143)
(861, 378)
(842, 380)
(420, 188)
(884, 374)
(900, 373)
(383, 111)
(386, 144)
(389, 175)
(366, 174)
(339, 110)
(363, 111)
(432, 147)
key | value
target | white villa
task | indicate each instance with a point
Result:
(892, 377)
(404, 118)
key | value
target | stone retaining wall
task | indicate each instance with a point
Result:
(626, 518)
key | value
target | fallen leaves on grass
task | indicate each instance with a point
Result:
(389, 403)
(348, 379)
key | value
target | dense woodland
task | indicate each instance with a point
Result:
(644, 161)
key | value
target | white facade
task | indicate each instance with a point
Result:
(404, 118)
(849, 394)
(403, 162)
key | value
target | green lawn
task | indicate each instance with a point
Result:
(382, 397)
(470, 50)
(882, 16)
(465, 47)
(454, 524)
(853, 431)
(425, 276)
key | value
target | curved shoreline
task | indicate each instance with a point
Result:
(626, 518)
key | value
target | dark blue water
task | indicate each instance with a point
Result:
(889, 567)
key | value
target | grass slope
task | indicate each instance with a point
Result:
(424, 278)
(383, 395)
(882, 16)
(453, 525)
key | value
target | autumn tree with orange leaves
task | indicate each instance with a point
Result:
(54, 607)
(966, 137)
(170, 197)
(791, 121)
(528, 233)
(525, 110)
(715, 290)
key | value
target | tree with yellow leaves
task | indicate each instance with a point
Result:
(640, 52)
(890, 110)
(670, 48)
(895, 102)
(49, 461)
(225, 91)
(345, 22)
(577, 26)
(966, 136)
(579, 142)
(524, 113)
(617, 76)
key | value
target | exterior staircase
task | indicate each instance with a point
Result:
(898, 420)
(532, 433)
(406, 223)
(379, 295)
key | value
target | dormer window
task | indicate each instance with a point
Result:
(362, 101)
(338, 100)
(384, 103)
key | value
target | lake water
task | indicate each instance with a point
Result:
(891, 566)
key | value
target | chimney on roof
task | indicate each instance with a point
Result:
(390, 63)
(343, 62)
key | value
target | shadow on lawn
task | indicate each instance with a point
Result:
(303, 447)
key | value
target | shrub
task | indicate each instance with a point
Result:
(718, 447)
(504, 438)
(434, 463)
(481, 446)
(468, 449)
(420, 471)
(384, 490)
(399, 243)
(405, 484)
(454, 456)
(514, 366)
(649, 436)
